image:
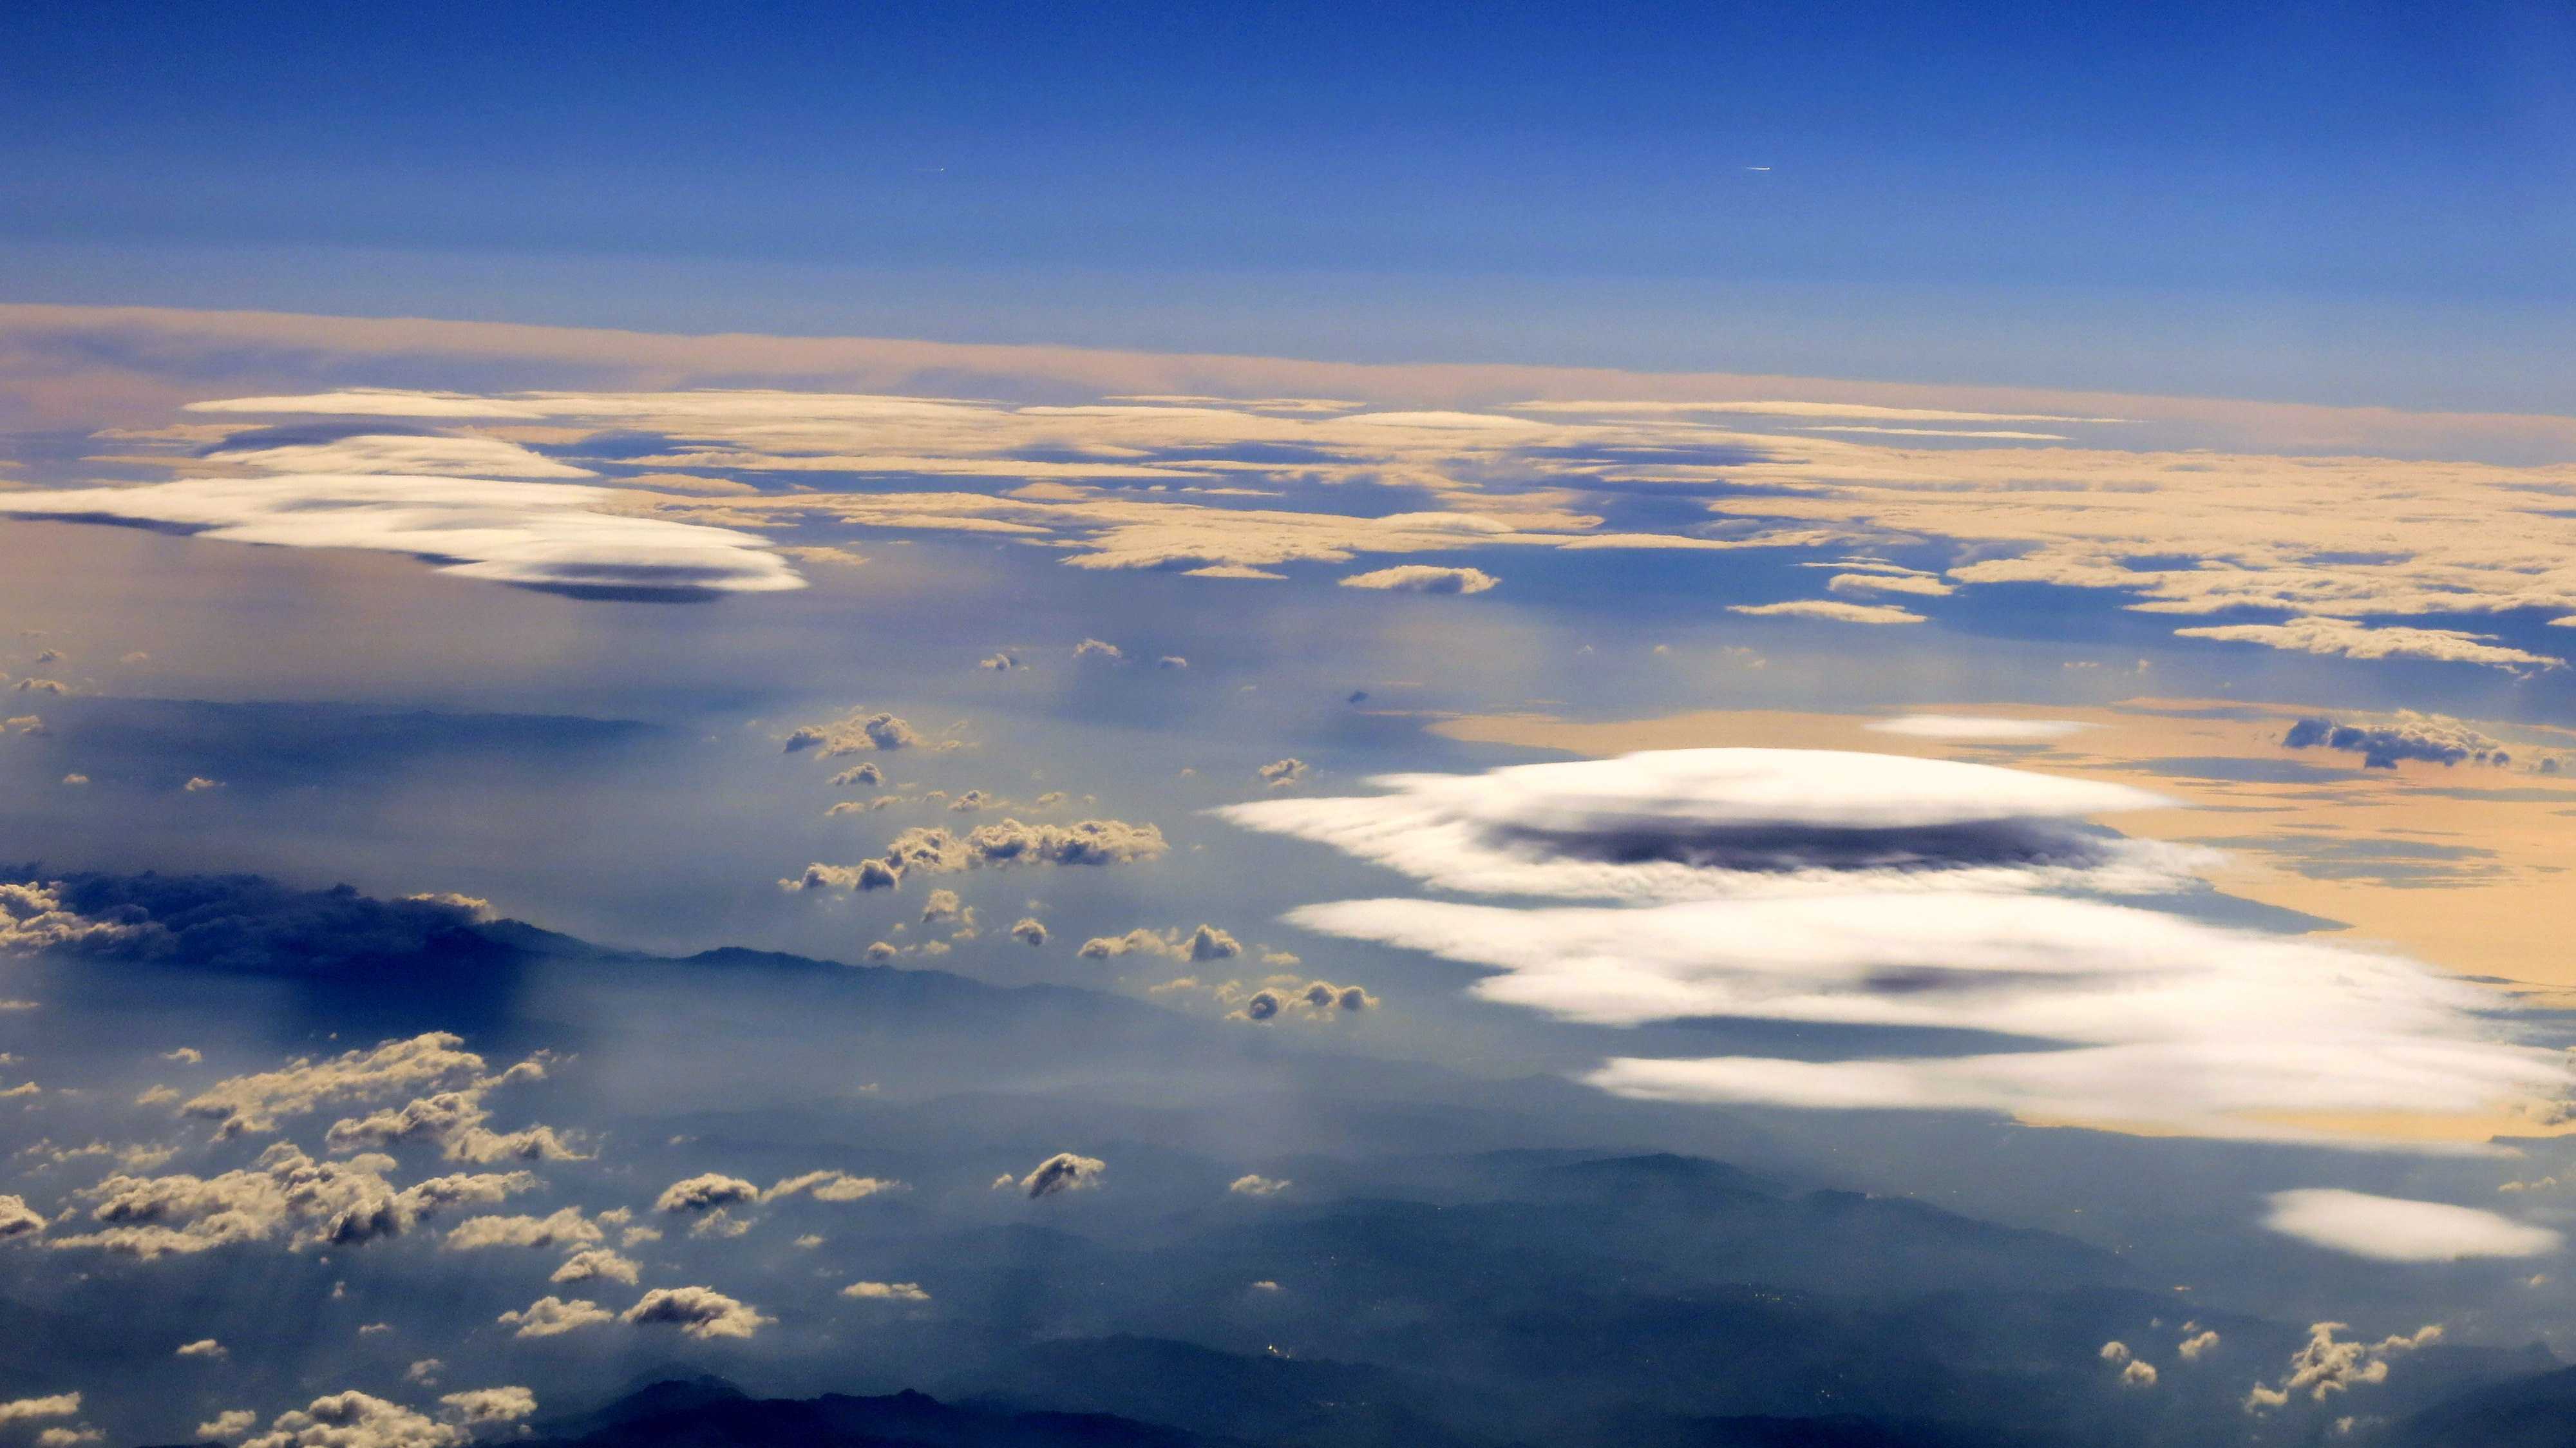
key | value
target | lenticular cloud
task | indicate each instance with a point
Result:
(2135, 1017)
(1875, 891)
(538, 535)
(1715, 823)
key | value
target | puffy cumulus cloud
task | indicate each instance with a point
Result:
(1677, 824)
(228, 1425)
(1004, 843)
(1099, 649)
(34, 916)
(565, 1227)
(858, 732)
(1029, 930)
(706, 1192)
(254, 1103)
(359, 1420)
(597, 1264)
(1281, 773)
(699, 1312)
(2326, 1365)
(1203, 944)
(1284, 998)
(322, 1203)
(944, 905)
(886, 1292)
(1253, 1184)
(238, 923)
(2393, 1229)
(1976, 728)
(1423, 578)
(1831, 610)
(2430, 738)
(2198, 1345)
(480, 1408)
(1062, 1172)
(560, 537)
(2342, 637)
(27, 1410)
(552, 1317)
(867, 774)
(17, 1219)
(2151, 1021)
(454, 1120)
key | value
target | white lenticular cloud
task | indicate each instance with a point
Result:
(1717, 823)
(2152, 1021)
(401, 454)
(537, 535)
(2394, 1229)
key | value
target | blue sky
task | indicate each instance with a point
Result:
(2243, 202)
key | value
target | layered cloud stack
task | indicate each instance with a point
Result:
(1879, 891)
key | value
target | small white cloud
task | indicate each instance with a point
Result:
(1423, 578)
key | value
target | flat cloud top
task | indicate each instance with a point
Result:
(1677, 824)
(545, 535)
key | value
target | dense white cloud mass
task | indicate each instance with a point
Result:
(545, 535)
(2394, 1229)
(1699, 823)
(2154, 1021)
